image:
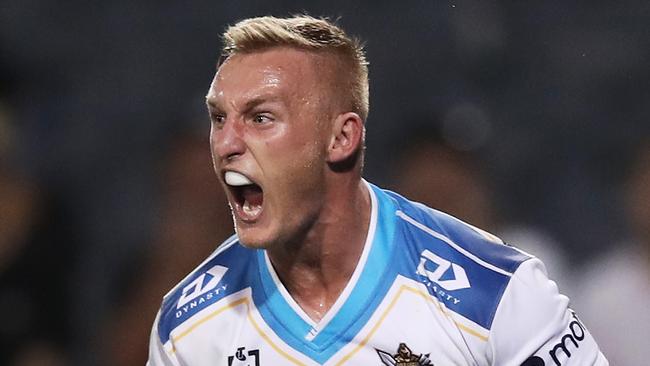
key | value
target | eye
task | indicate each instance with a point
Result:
(262, 118)
(217, 119)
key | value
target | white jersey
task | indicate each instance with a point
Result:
(428, 290)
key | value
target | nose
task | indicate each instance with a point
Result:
(226, 141)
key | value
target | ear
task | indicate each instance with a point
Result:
(346, 138)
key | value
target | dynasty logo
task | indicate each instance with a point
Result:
(404, 357)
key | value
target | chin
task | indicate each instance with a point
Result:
(267, 235)
(252, 238)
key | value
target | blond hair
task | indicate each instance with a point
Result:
(307, 33)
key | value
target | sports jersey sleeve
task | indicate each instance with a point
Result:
(534, 326)
(157, 354)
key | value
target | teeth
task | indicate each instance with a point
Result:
(250, 209)
(237, 179)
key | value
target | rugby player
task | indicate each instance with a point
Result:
(326, 268)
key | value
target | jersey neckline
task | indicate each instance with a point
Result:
(354, 305)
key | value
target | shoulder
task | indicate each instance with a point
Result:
(466, 268)
(226, 271)
(466, 239)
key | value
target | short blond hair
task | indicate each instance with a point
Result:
(307, 33)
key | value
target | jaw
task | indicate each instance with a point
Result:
(276, 227)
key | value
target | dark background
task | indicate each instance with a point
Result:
(105, 159)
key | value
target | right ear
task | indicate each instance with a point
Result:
(346, 137)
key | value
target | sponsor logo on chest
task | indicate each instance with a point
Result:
(442, 276)
(202, 289)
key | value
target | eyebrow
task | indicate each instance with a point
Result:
(250, 104)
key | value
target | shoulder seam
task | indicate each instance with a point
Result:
(502, 296)
(451, 243)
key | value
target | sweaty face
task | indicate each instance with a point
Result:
(269, 137)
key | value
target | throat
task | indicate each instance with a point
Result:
(314, 291)
(316, 307)
(318, 313)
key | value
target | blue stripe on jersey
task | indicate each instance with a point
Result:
(375, 279)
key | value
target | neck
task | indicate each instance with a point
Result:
(316, 270)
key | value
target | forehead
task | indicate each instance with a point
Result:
(279, 68)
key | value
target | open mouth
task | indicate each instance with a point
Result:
(248, 197)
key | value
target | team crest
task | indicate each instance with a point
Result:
(404, 357)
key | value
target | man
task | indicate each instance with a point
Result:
(326, 268)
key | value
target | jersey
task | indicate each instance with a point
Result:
(428, 289)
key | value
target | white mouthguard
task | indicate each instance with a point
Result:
(237, 179)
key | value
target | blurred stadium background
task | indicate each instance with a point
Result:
(528, 119)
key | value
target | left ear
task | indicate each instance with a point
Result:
(346, 138)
